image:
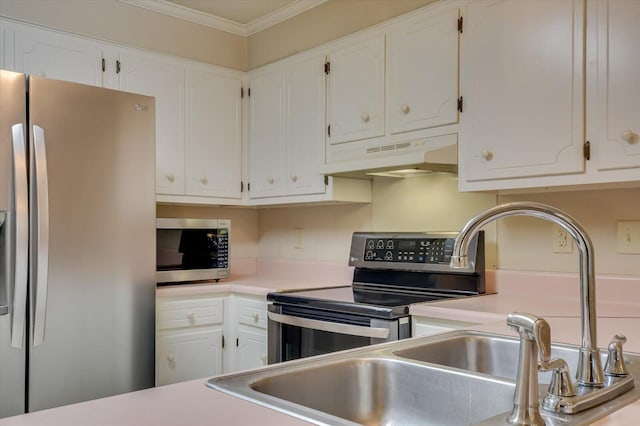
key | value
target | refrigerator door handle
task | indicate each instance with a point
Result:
(21, 220)
(4, 309)
(42, 234)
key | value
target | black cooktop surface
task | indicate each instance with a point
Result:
(368, 300)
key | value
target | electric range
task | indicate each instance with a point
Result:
(392, 271)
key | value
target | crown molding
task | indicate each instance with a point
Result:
(282, 14)
(177, 11)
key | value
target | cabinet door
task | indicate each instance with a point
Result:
(152, 76)
(57, 56)
(213, 135)
(189, 355)
(252, 348)
(305, 126)
(356, 91)
(617, 140)
(423, 72)
(267, 136)
(523, 89)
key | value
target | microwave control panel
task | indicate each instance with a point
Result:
(223, 248)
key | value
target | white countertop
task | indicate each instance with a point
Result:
(193, 403)
(250, 285)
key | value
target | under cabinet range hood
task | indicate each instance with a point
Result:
(405, 159)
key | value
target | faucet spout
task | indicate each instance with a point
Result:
(590, 372)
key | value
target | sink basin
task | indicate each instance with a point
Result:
(487, 354)
(376, 391)
(457, 378)
(479, 353)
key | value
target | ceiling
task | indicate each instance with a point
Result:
(242, 17)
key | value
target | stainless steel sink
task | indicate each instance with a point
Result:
(481, 353)
(458, 378)
(376, 391)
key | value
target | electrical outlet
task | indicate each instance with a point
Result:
(628, 237)
(561, 242)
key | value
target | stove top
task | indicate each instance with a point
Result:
(359, 299)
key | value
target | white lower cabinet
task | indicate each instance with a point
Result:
(187, 355)
(189, 338)
(250, 330)
(202, 336)
(252, 348)
(427, 326)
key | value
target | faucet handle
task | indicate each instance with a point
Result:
(560, 384)
(615, 359)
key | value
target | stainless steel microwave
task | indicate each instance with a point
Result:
(189, 250)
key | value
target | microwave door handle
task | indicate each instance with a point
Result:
(42, 234)
(332, 327)
(21, 244)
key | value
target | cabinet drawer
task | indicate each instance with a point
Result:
(252, 312)
(189, 313)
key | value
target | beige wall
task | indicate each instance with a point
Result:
(415, 204)
(432, 204)
(324, 23)
(112, 20)
(525, 243)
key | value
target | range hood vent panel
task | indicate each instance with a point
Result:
(403, 159)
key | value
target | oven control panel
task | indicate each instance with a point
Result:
(423, 250)
(412, 251)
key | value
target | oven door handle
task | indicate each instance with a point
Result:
(332, 327)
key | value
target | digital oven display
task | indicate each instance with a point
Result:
(423, 250)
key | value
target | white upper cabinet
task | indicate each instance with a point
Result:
(534, 78)
(616, 107)
(213, 135)
(522, 83)
(198, 106)
(52, 55)
(267, 136)
(422, 66)
(287, 130)
(287, 137)
(407, 73)
(356, 90)
(153, 76)
(305, 126)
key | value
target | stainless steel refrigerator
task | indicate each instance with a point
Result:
(77, 243)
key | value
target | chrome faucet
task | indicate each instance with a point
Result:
(595, 385)
(590, 372)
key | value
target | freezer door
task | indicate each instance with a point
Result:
(92, 274)
(12, 202)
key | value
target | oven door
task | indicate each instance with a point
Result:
(296, 332)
